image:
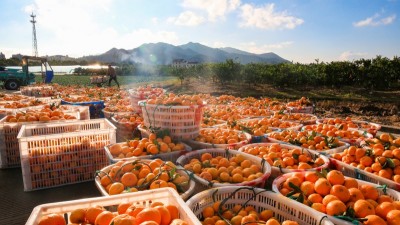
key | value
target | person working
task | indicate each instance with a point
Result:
(113, 75)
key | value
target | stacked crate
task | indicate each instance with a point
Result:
(63, 153)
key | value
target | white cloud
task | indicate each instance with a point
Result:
(267, 18)
(349, 55)
(187, 18)
(75, 28)
(375, 20)
(154, 20)
(215, 9)
(258, 49)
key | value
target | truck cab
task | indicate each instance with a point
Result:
(14, 78)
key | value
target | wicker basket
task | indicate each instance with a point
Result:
(167, 196)
(275, 171)
(354, 172)
(278, 182)
(188, 190)
(183, 122)
(202, 145)
(260, 199)
(170, 156)
(204, 184)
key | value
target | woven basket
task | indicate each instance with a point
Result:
(278, 182)
(260, 199)
(188, 190)
(204, 184)
(183, 122)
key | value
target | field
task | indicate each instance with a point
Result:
(375, 106)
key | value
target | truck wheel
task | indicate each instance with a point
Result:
(12, 85)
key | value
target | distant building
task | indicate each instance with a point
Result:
(2, 56)
(181, 63)
(17, 56)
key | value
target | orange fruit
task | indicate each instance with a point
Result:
(369, 192)
(355, 194)
(93, 212)
(374, 220)
(149, 223)
(335, 207)
(208, 212)
(148, 214)
(289, 222)
(272, 221)
(249, 220)
(104, 218)
(384, 208)
(315, 198)
(134, 210)
(329, 198)
(116, 188)
(393, 217)
(77, 216)
(124, 219)
(350, 183)
(52, 219)
(129, 179)
(123, 207)
(335, 177)
(165, 215)
(322, 186)
(179, 222)
(363, 208)
(341, 192)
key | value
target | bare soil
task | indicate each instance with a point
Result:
(378, 106)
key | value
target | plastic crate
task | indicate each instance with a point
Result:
(204, 184)
(167, 196)
(183, 122)
(95, 107)
(202, 145)
(84, 113)
(275, 171)
(136, 96)
(63, 153)
(261, 200)
(9, 149)
(125, 130)
(370, 127)
(278, 181)
(354, 172)
(40, 91)
(188, 190)
(170, 156)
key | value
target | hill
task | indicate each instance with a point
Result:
(163, 54)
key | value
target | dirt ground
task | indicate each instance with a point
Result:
(384, 111)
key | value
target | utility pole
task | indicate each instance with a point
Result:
(34, 41)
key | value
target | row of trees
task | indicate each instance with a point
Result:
(378, 73)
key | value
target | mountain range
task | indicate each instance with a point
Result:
(164, 54)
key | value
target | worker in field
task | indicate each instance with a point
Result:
(113, 75)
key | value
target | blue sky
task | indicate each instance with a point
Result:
(297, 30)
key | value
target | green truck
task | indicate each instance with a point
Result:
(14, 78)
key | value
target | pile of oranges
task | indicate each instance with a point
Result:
(145, 146)
(43, 115)
(240, 215)
(220, 136)
(236, 169)
(341, 132)
(177, 100)
(337, 195)
(283, 156)
(380, 156)
(138, 175)
(306, 139)
(157, 213)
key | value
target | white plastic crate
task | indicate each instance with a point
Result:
(84, 113)
(188, 190)
(170, 156)
(125, 130)
(279, 180)
(136, 96)
(275, 171)
(202, 145)
(167, 196)
(261, 200)
(183, 122)
(359, 174)
(9, 149)
(63, 153)
(40, 91)
(204, 184)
